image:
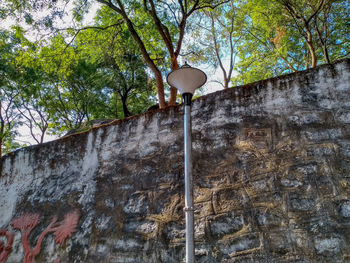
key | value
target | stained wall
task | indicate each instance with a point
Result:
(271, 174)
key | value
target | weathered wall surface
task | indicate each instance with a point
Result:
(272, 181)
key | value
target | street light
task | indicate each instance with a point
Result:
(187, 79)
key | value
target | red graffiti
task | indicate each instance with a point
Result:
(67, 228)
(27, 222)
(5, 249)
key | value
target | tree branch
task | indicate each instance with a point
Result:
(90, 27)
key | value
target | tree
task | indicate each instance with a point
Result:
(153, 24)
(8, 120)
(73, 92)
(36, 118)
(120, 65)
(74, 83)
(303, 13)
(284, 36)
(332, 30)
(313, 20)
(56, 92)
(133, 79)
(169, 19)
(32, 91)
(263, 49)
(216, 39)
(9, 116)
(56, 86)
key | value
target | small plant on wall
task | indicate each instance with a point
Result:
(27, 222)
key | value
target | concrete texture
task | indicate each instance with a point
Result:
(271, 174)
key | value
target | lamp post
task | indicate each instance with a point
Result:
(187, 79)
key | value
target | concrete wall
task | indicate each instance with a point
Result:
(271, 170)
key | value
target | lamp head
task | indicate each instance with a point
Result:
(187, 79)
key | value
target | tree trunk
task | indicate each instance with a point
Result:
(160, 89)
(145, 55)
(313, 55)
(307, 59)
(311, 48)
(116, 104)
(325, 54)
(43, 134)
(226, 82)
(323, 41)
(125, 107)
(173, 91)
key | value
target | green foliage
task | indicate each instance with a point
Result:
(119, 65)
(99, 72)
(10, 145)
(80, 84)
(57, 87)
(274, 42)
(217, 38)
(9, 119)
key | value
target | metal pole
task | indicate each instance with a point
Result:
(189, 210)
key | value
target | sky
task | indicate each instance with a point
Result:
(212, 85)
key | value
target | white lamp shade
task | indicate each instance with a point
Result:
(187, 79)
